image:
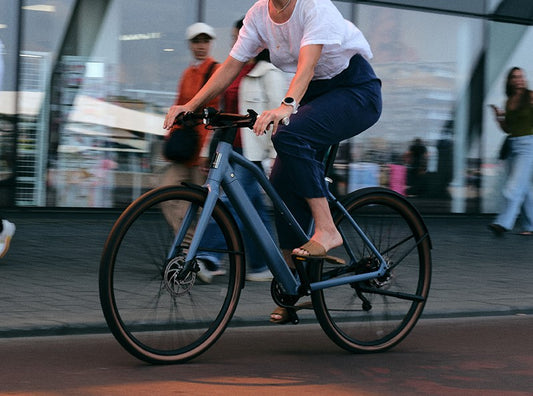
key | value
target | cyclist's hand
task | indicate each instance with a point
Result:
(271, 119)
(172, 113)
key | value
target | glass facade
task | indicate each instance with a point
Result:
(85, 84)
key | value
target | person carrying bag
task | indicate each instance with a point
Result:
(183, 142)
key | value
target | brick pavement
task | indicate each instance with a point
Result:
(49, 278)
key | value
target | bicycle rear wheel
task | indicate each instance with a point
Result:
(376, 314)
(154, 305)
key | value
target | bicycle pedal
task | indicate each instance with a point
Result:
(293, 316)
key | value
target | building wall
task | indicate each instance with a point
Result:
(82, 107)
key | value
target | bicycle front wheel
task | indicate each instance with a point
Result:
(155, 304)
(376, 314)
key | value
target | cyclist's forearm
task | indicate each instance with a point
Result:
(308, 59)
(219, 81)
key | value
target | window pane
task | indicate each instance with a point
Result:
(110, 104)
(425, 61)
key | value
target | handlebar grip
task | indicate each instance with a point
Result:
(187, 118)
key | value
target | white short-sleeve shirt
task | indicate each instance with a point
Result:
(312, 22)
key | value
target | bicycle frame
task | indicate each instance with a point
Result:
(221, 174)
(166, 311)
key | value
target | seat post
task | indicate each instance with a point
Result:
(329, 159)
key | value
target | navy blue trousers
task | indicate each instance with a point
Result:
(331, 111)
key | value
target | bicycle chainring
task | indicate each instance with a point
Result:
(280, 298)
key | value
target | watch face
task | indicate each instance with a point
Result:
(289, 100)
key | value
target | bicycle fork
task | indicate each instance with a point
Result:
(203, 221)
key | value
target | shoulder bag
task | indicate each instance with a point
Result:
(182, 143)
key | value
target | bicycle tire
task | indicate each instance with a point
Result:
(153, 314)
(375, 315)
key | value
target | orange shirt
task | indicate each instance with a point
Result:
(192, 80)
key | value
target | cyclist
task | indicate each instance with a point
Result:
(333, 96)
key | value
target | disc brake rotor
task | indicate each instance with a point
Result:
(173, 281)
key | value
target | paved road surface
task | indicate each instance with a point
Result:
(485, 357)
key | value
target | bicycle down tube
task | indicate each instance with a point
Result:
(221, 173)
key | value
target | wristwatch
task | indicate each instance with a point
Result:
(291, 102)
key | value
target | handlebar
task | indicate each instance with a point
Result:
(214, 119)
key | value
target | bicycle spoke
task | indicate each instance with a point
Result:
(156, 305)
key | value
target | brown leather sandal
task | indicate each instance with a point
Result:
(317, 251)
(282, 315)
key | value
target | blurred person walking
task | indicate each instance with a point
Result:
(261, 88)
(7, 230)
(200, 37)
(517, 122)
(416, 159)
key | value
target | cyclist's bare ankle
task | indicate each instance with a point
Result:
(328, 239)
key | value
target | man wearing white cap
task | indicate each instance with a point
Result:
(199, 36)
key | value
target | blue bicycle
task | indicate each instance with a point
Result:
(160, 312)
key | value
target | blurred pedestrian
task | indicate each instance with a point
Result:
(200, 37)
(7, 230)
(517, 122)
(261, 88)
(1, 64)
(416, 159)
